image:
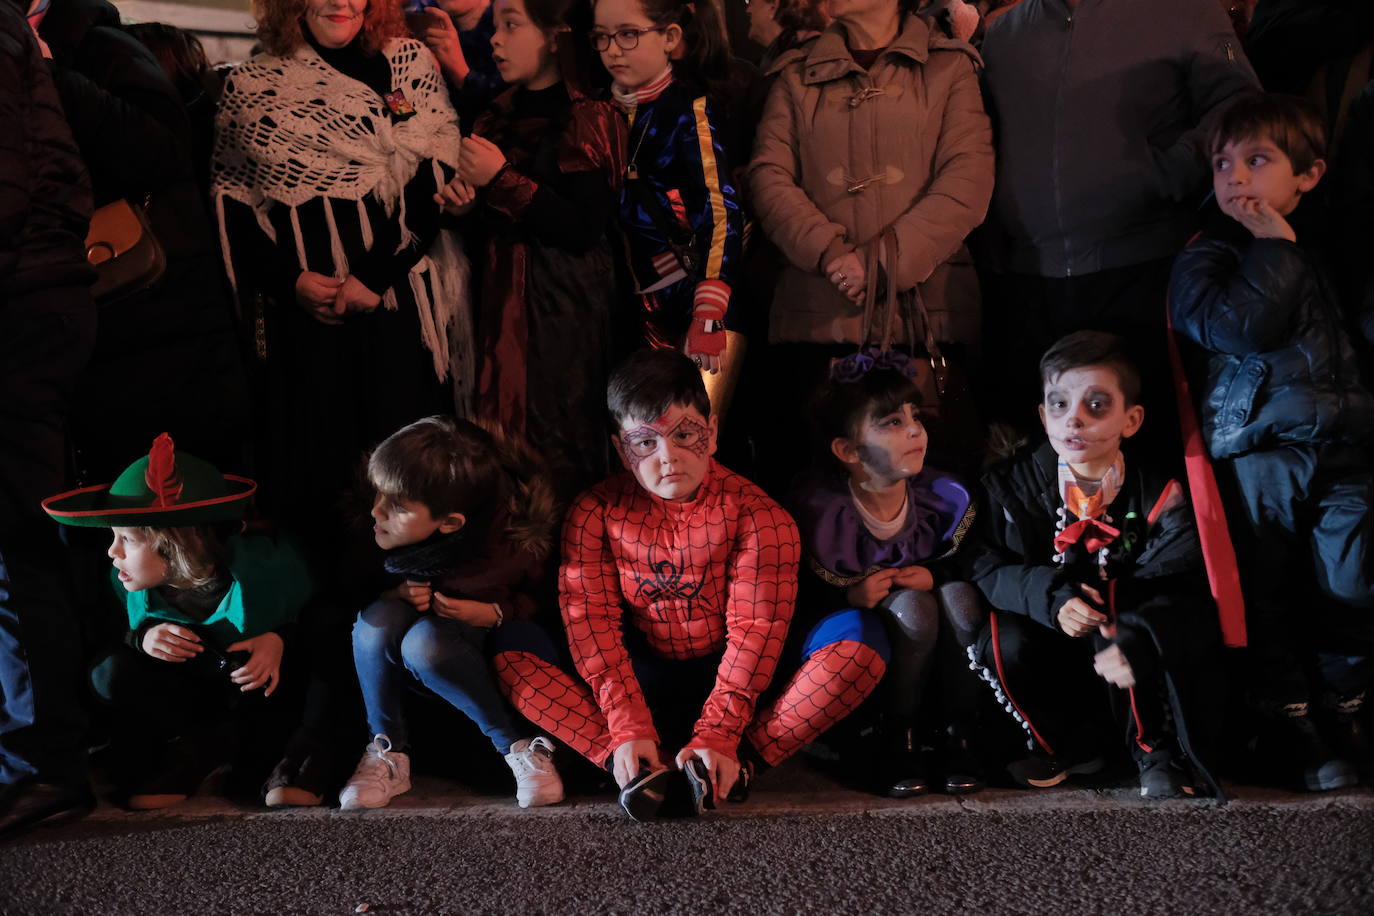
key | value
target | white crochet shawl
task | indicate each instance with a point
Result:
(292, 129)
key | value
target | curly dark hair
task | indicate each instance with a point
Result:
(279, 24)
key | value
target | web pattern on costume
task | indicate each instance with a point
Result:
(717, 575)
(554, 701)
(829, 686)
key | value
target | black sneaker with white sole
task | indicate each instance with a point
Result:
(643, 797)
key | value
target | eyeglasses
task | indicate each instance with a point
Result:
(627, 39)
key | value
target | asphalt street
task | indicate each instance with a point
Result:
(801, 844)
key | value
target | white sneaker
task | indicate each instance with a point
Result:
(536, 780)
(381, 775)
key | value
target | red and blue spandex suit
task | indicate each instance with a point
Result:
(664, 601)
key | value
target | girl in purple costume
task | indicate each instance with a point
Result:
(878, 528)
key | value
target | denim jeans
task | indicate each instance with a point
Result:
(397, 648)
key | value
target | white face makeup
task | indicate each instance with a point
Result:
(888, 449)
(1086, 416)
(669, 456)
(139, 564)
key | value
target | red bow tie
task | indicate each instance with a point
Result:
(1091, 533)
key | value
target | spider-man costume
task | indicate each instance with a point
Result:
(649, 586)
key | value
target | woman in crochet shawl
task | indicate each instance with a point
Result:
(330, 147)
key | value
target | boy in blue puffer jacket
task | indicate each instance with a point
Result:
(1287, 423)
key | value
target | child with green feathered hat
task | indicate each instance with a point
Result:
(207, 606)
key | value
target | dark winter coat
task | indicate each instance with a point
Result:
(1276, 366)
(172, 347)
(1097, 108)
(45, 198)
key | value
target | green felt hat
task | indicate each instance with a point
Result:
(162, 489)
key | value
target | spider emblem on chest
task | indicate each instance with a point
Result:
(665, 580)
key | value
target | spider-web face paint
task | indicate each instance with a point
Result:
(669, 455)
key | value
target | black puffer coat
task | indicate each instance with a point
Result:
(45, 196)
(1271, 363)
(166, 359)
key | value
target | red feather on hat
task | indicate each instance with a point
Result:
(161, 476)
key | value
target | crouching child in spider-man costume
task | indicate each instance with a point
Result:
(677, 588)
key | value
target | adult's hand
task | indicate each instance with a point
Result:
(354, 297)
(316, 294)
(847, 273)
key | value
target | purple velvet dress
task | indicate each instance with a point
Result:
(842, 551)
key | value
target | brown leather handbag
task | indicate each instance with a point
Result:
(125, 253)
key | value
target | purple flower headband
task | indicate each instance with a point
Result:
(855, 366)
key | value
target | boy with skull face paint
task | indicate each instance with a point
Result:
(1088, 554)
(677, 587)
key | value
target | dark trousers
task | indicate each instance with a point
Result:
(45, 340)
(1025, 314)
(1302, 528)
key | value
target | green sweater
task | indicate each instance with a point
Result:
(270, 584)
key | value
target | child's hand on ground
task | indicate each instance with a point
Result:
(631, 757)
(171, 643)
(914, 577)
(457, 197)
(416, 594)
(724, 771)
(1111, 662)
(479, 161)
(440, 35)
(476, 613)
(873, 589)
(847, 273)
(1078, 616)
(263, 665)
(354, 297)
(316, 294)
(1263, 221)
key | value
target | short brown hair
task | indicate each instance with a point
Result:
(279, 24)
(449, 465)
(650, 381)
(1292, 124)
(194, 553)
(1092, 348)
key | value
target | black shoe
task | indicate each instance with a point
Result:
(30, 804)
(186, 763)
(739, 792)
(963, 774)
(300, 779)
(901, 771)
(1350, 736)
(699, 781)
(1162, 774)
(1042, 772)
(643, 798)
(1304, 757)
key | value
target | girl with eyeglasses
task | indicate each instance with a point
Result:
(679, 207)
(543, 166)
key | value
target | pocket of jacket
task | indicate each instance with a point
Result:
(1240, 393)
